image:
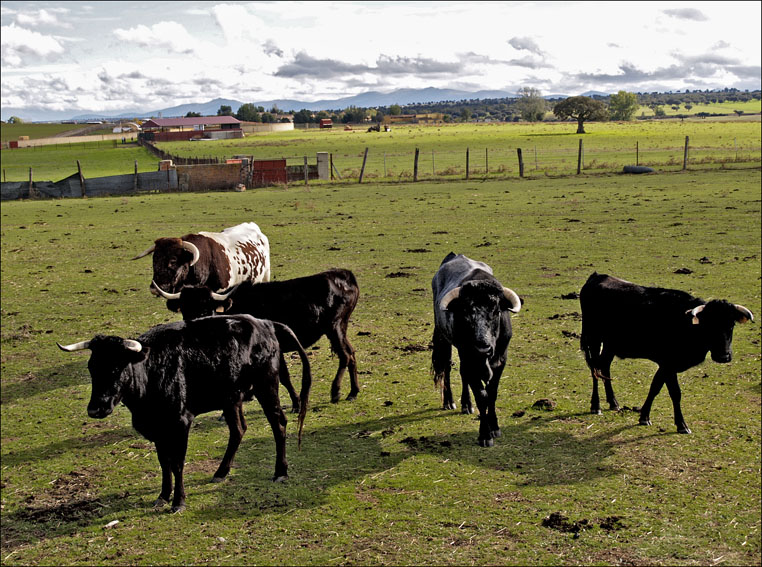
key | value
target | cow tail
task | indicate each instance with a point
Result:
(288, 342)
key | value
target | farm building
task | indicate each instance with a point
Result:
(175, 129)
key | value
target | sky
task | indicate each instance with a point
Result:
(113, 56)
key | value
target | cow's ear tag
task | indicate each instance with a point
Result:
(221, 309)
(695, 320)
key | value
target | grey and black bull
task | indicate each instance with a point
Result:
(667, 326)
(218, 260)
(472, 311)
(176, 371)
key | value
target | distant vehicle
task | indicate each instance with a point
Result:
(326, 123)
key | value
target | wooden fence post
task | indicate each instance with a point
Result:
(330, 157)
(637, 153)
(521, 162)
(433, 169)
(384, 164)
(31, 187)
(579, 157)
(415, 165)
(135, 179)
(306, 172)
(685, 155)
(467, 156)
(486, 161)
(364, 159)
(81, 178)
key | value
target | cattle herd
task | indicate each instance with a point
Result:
(237, 325)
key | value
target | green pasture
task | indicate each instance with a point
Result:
(34, 131)
(98, 159)
(391, 479)
(726, 107)
(548, 149)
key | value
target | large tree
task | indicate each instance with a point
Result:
(530, 104)
(581, 109)
(225, 110)
(622, 106)
(247, 112)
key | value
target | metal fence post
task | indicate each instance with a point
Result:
(415, 165)
(521, 162)
(685, 155)
(364, 159)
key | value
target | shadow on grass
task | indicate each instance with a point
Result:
(38, 382)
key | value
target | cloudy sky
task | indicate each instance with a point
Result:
(113, 56)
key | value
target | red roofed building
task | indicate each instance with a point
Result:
(175, 129)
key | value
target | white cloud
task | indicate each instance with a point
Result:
(162, 35)
(19, 44)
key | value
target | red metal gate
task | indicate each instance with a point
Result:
(268, 172)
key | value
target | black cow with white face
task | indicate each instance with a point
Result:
(667, 326)
(176, 371)
(472, 312)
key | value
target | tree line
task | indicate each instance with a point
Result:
(528, 105)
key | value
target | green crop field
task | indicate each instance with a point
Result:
(392, 479)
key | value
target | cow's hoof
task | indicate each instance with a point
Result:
(160, 503)
(486, 443)
(449, 405)
(496, 433)
(644, 422)
(281, 478)
(177, 509)
(467, 409)
(684, 430)
(596, 412)
(216, 478)
(335, 399)
(352, 396)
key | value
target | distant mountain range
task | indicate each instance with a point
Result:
(369, 99)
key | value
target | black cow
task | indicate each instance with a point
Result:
(176, 371)
(472, 311)
(667, 326)
(311, 306)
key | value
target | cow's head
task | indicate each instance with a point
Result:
(172, 260)
(109, 358)
(477, 309)
(196, 301)
(715, 322)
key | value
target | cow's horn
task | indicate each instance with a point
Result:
(148, 251)
(165, 294)
(221, 296)
(694, 313)
(133, 345)
(193, 250)
(746, 315)
(76, 346)
(449, 296)
(513, 297)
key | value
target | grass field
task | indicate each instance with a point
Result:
(391, 479)
(549, 149)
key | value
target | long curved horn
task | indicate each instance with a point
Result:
(146, 253)
(76, 346)
(190, 247)
(133, 345)
(222, 296)
(746, 315)
(694, 313)
(449, 296)
(165, 294)
(513, 298)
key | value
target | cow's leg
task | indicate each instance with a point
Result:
(441, 363)
(482, 403)
(162, 451)
(591, 347)
(656, 384)
(285, 379)
(177, 450)
(465, 399)
(605, 369)
(268, 399)
(492, 389)
(233, 416)
(674, 392)
(346, 353)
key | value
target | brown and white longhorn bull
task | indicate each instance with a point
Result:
(218, 260)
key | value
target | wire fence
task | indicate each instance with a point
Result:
(430, 164)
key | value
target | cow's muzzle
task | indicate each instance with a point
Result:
(99, 412)
(723, 357)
